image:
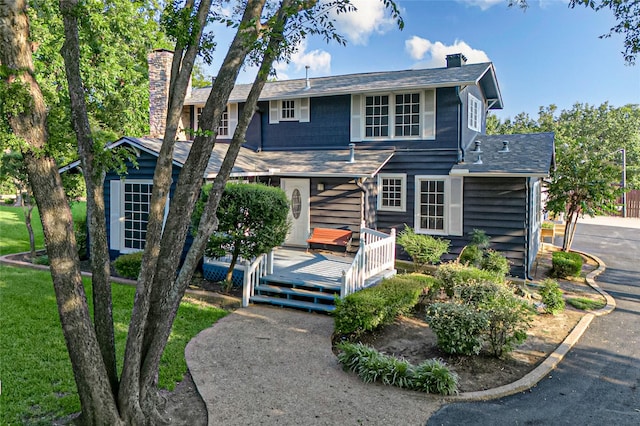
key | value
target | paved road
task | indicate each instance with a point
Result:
(599, 380)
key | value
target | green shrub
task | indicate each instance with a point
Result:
(474, 293)
(586, 304)
(80, 231)
(423, 249)
(509, 318)
(41, 260)
(480, 238)
(459, 327)
(552, 297)
(128, 265)
(450, 275)
(359, 312)
(566, 264)
(372, 307)
(433, 376)
(471, 255)
(372, 366)
(9, 201)
(494, 261)
(548, 225)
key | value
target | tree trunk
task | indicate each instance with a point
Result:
(91, 377)
(28, 213)
(232, 265)
(94, 180)
(139, 405)
(165, 308)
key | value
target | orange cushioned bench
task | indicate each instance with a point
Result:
(331, 237)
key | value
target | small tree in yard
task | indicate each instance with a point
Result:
(252, 220)
(423, 249)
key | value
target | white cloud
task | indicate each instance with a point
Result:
(357, 26)
(419, 48)
(319, 62)
(483, 4)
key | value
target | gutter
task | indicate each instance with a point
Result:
(459, 113)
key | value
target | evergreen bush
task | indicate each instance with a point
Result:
(566, 264)
(423, 249)
(552, 297)
(128, 265)
(494, 261)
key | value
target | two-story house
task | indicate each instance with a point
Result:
(383, 148)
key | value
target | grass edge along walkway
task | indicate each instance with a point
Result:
(35, 371)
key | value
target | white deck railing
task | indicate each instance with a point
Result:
(377, 253)
(260, 267)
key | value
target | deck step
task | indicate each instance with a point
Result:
(308, 285)
(298, 304)
(265, 289)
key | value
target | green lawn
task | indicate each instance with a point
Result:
(37, 382)
(14, 237)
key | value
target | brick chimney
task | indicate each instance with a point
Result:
(159, 77)
(456, 60)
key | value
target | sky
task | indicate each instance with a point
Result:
(547, 54)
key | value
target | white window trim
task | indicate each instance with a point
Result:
(453, 206)
(403, 199)
(232, 120)
(427, 112)
(124, 249)
(474, 118)
(117, 218)
(416, 218)
(302, 108)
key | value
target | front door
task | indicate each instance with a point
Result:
(297, 191)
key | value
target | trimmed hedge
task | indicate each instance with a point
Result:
(566, 264)
(128, 265)
(368, 309)
(453, 274)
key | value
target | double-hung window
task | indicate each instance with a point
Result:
(438, 205)
(410, 115)
(228, 121)
(474, 113)
(392, 189)
(289, 110)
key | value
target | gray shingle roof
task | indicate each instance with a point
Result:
(281, 163)
(529, 155)
(483, 74)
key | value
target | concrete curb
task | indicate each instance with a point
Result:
(543, 370)
(221, 300)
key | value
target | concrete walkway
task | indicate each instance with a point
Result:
(265, 366)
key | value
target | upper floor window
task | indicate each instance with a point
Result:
(409, 115)
(289, 110)
(228, 121)
(376, 115)
(474, 113)
(392, 191)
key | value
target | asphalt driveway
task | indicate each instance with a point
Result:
(598, 382)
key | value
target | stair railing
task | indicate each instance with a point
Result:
(253, 272)
(377, 253)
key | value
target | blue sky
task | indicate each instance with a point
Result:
(548, 54)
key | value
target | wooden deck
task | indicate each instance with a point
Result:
(321, 269)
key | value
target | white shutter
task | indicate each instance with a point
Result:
(455, 206)
(305, 110)
(356, 118)
(115, 217)
(232, 115)
(274, 112)
(429, 115)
